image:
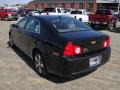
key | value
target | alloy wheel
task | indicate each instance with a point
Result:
(39, 63)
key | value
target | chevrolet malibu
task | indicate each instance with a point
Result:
(59, 44)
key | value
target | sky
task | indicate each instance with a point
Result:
(12, 2)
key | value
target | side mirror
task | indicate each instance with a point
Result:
(14, 26)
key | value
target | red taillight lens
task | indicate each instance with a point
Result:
(106, 43)
(71, 50)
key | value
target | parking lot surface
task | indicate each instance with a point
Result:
(18, 73)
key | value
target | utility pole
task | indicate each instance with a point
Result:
(118, 6)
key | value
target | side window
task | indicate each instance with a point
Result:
(83, 12)
(33, 25)
(22, 23)
(80, 12)
(58, 10)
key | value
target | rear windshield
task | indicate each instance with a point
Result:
(76, 12)
(68, 24)
(103, 12)
(48, 10)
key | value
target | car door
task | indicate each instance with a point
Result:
(17, 33)
(32, 30)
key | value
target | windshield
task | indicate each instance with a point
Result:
(103, 12)
(48, 10)
(68, 24)
(76, 12)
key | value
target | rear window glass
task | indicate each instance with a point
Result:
(48, 10)
(103, 12)
(76, 12)
(68, 24)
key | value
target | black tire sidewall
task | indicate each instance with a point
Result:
(6, 18)
(110, 27)
(11, 41)
(44, 72)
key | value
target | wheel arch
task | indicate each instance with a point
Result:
(42, 54)
(36, 49)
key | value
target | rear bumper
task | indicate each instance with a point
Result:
(99, 23)
(69, 66)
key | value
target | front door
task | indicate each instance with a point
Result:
(18, 33)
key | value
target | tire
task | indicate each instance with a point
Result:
(114, 25)
(6, 18)
(11, 42)
(92, 25)
(16, 19)
(110, 26)
(40, 64)
(80, 19)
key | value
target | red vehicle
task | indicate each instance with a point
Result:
(8, 14)
(103, 17)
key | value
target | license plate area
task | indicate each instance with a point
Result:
(94, 61)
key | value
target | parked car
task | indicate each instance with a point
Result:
(24, 12)
(53, 11)
(67, 10)
(118, 16)
(104, 17)
(80, 14)
(60, 44)
(34, 13)
(8, 14)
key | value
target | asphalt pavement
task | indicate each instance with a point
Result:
(18, 73)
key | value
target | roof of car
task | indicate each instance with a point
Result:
(49, 16)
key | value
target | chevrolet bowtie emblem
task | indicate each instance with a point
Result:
(93, 42)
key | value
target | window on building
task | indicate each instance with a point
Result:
(63, 5)
(72, 5)
(81, 5)
(56, 4)
(49, 5)
(36, 5)
(42, 5)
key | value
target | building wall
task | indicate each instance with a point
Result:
(82, 4)
(63, 5)
(107, 1)
(77, 4)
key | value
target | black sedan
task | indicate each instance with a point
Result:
(59, 44)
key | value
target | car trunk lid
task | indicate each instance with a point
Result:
(89, 40)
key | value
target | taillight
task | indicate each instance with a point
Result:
(71, 50)
(106, 43)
